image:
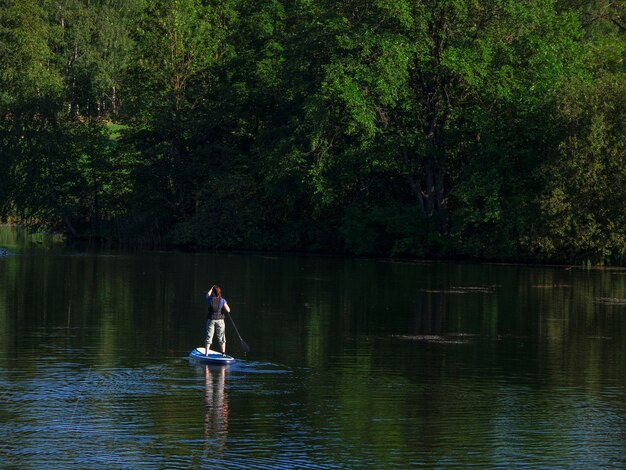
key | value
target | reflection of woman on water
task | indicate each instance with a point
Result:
(216, 401)
(215, 319)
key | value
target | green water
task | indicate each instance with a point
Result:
(354, 363)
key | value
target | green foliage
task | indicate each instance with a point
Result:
(91, 46)
(24, 53)
(395, 128)
(29, 90)
(398, 230)
(585, 184)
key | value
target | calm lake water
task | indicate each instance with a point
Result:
(354, 363)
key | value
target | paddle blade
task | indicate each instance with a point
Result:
(244, 347)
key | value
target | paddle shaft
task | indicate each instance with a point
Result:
(244, 347)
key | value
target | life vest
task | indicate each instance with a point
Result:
(216, 308)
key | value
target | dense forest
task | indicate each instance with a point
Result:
(409, 128)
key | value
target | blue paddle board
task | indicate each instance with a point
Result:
(213, 357)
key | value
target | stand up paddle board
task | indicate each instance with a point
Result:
(213, 357)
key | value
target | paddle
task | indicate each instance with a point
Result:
(242, 344)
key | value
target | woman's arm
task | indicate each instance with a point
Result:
(226, 307)
(208, 294)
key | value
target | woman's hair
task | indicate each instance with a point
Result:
(217, 292)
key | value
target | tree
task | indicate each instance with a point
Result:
(29, 88)
(395, 127)
(91, 45)
(59, 171)
(408, 90)
(585, 184)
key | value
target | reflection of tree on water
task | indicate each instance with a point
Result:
(216, 408)
(429, 315)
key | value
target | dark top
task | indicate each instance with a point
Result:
(216, 308)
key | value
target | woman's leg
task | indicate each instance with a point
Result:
(220, 329)
(210, 328)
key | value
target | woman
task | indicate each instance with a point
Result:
(215, 319)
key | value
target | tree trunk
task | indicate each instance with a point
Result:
(433, 86)
(430, 184)
(113, 101)
(96, 204)
(69, 226)
(414, 184)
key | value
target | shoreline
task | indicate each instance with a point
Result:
(98, 244)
